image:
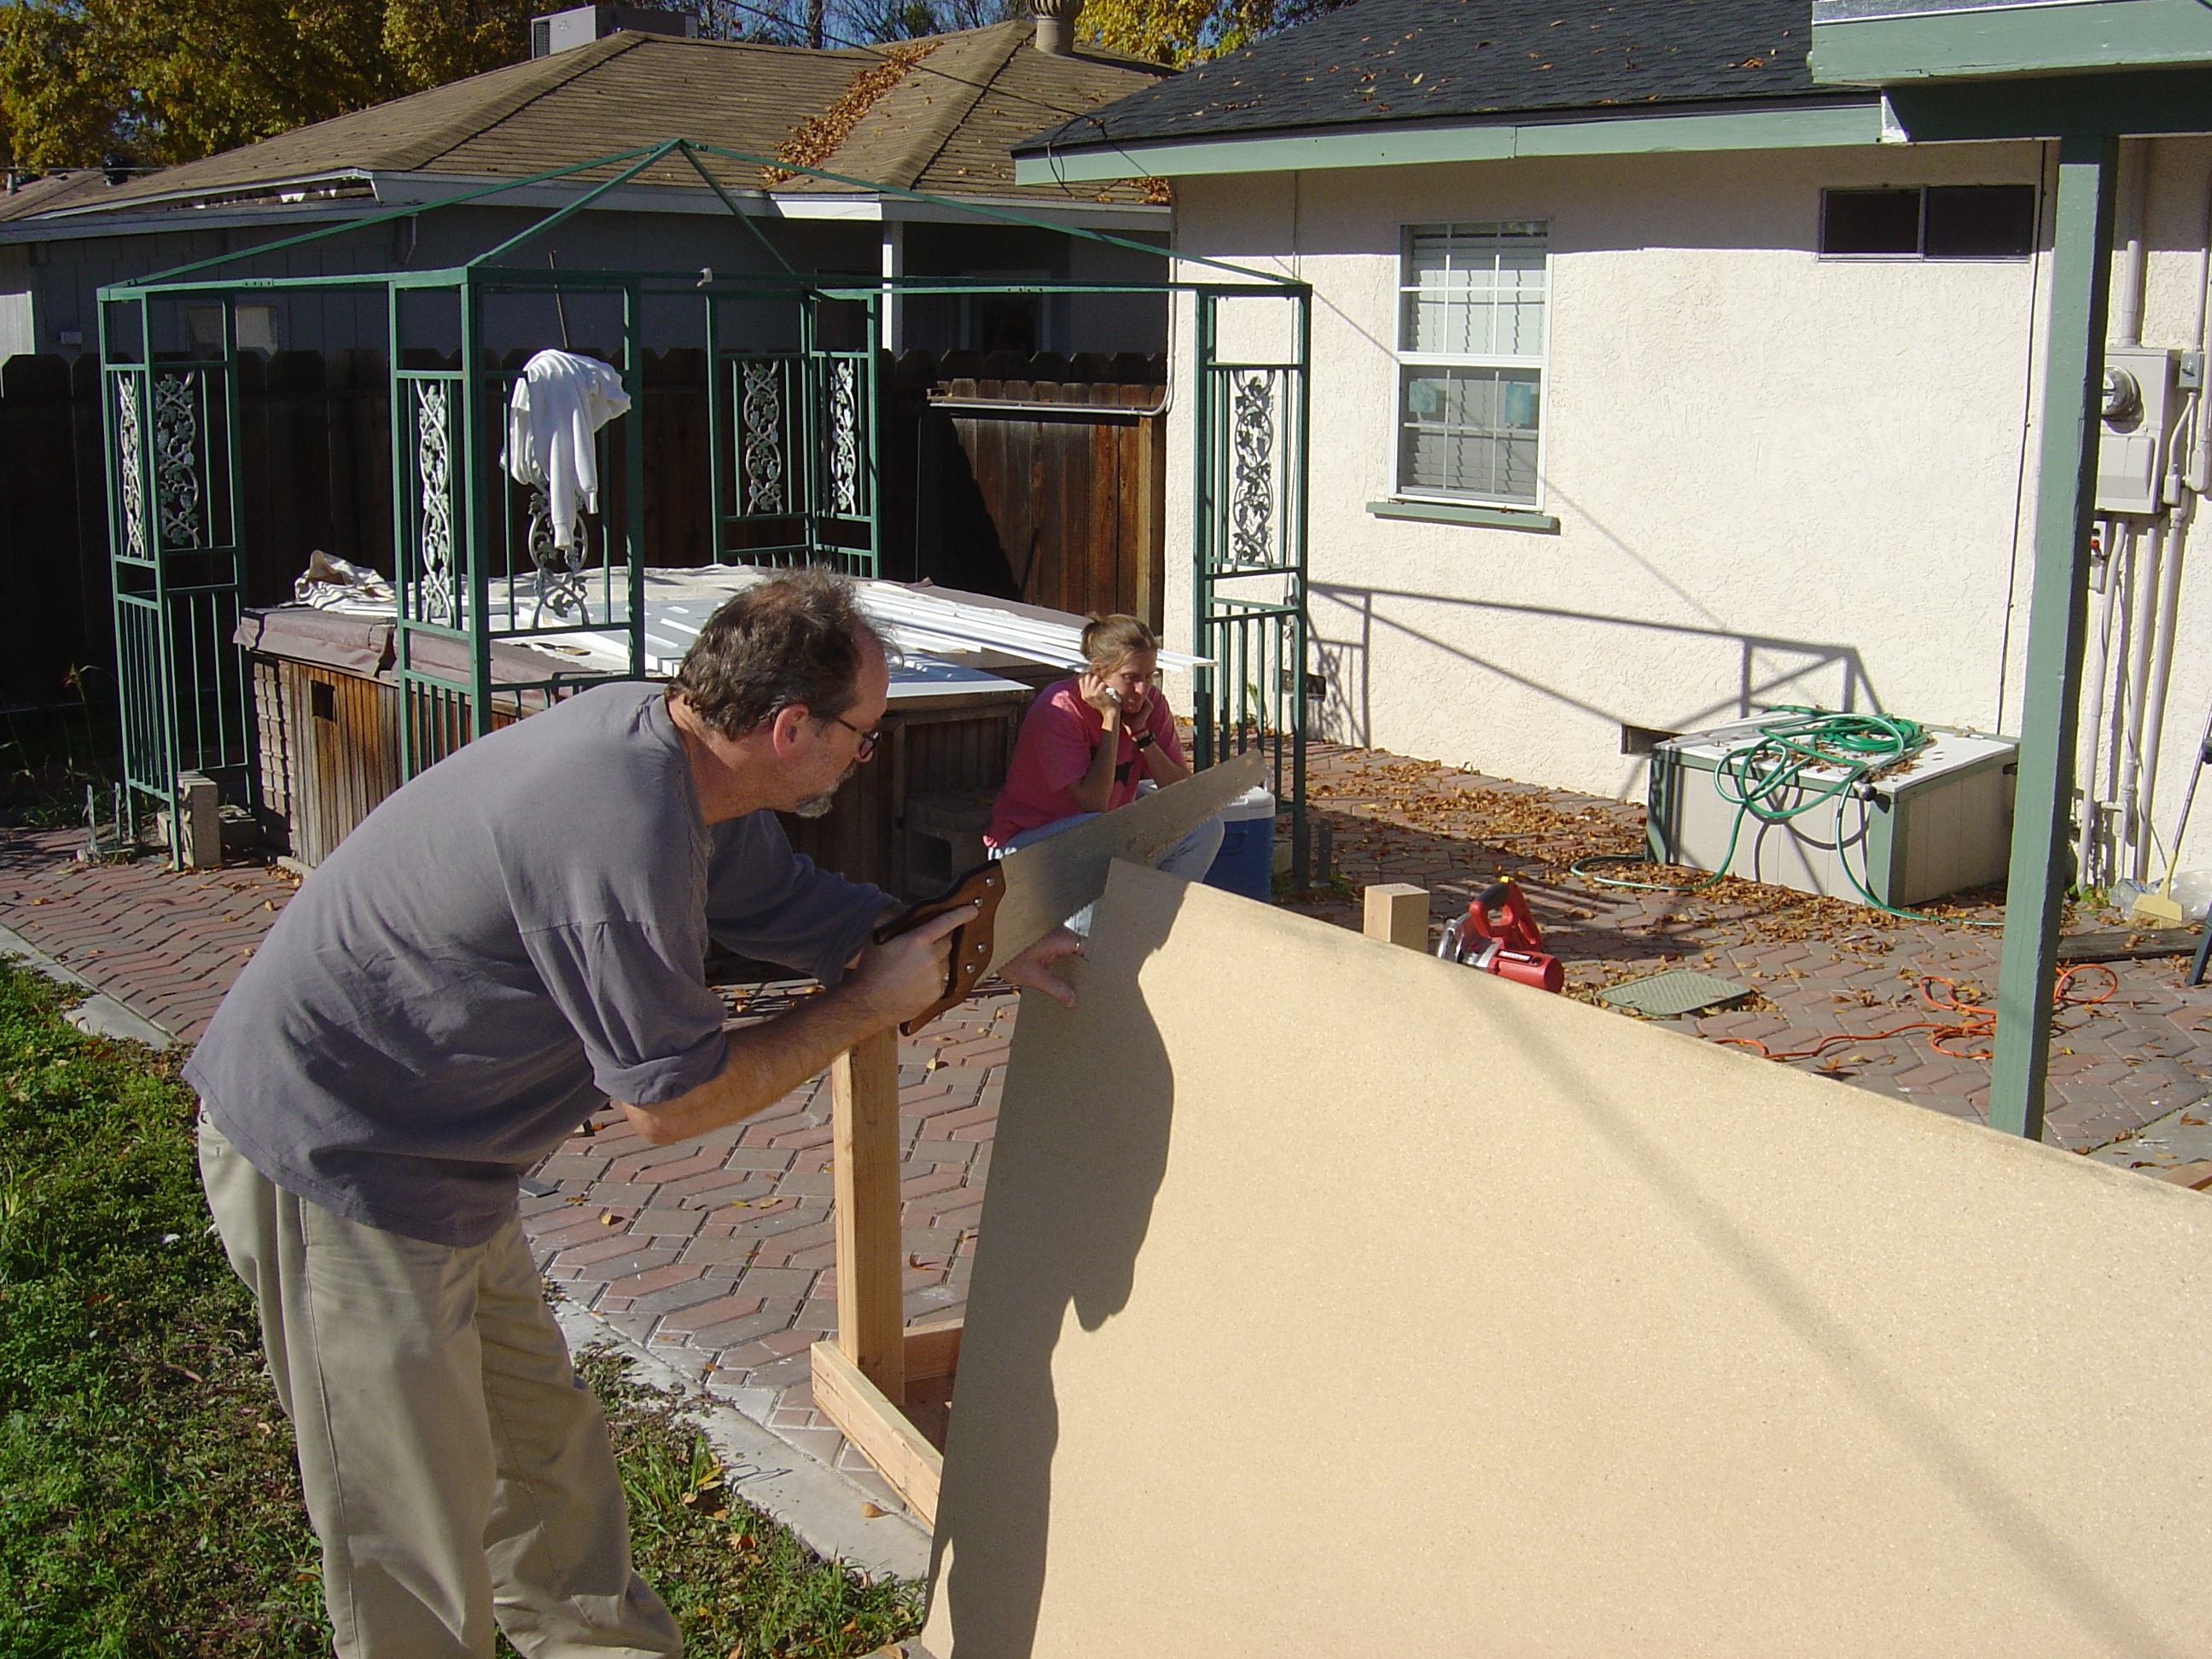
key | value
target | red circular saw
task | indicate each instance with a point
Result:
(1499, 935)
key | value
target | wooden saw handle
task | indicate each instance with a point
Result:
(970, 942)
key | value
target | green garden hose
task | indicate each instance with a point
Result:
(1808, 757)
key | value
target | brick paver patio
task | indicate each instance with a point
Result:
(717, 1254)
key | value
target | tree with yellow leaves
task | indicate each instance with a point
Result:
(160, 81)
(1182, 31)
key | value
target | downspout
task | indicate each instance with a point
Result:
(2105, 580)
(2139, 615)
(2150, 555)
(2185, 478)
(2199, 473)
(2134, 194)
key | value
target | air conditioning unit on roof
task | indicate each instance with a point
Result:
(582, 25)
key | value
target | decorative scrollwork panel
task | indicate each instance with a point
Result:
(1253, 477)
(844, 438)
(763, 448)
(562, 587)
(130, 469)
(435, 601)
(177, 455)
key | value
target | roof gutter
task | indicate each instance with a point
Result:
(348, 194)
(51, 228)
(1832, 122)
(266, 192)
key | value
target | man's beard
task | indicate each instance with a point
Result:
(818, 806)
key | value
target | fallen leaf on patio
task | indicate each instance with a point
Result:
(872, 1511)
(2193, 1123)
(608, 1217)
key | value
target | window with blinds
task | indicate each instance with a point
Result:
(1471, 329)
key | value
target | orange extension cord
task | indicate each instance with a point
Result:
(1974, 1023)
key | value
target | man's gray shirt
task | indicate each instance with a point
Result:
(509, 940)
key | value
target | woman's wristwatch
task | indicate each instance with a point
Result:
(1142, 740)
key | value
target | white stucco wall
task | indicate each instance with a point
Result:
(1779, 479)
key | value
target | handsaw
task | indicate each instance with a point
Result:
(1024, 896)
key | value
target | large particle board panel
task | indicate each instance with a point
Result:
(1334, 1299)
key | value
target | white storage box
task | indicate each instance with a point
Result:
(1938, 822)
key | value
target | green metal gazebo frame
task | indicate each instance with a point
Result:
(792, 476)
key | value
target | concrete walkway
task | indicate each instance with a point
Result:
(715, 1257)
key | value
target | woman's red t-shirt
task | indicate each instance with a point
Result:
(1058, 738)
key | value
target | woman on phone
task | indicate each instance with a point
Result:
(1088, 743)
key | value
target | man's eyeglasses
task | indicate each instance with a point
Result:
(867, 746)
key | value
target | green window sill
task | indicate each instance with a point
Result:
(1495, 518)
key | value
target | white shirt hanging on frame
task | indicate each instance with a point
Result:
(562, 400)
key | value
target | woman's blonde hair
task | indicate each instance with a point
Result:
(1107, 641)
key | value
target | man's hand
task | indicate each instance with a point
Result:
(894, 981)
(1033, 967)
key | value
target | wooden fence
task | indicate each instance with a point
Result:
(1040, 477)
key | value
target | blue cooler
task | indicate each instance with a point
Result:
(1246, 862)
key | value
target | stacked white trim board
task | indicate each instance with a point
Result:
(1332, 1299)
(920, 622)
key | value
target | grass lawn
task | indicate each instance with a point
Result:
(148, 1503)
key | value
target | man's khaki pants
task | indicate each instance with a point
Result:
(457, 1472)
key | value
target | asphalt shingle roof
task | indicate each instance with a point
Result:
(946, 126)
(80, 188)
(1431, 60)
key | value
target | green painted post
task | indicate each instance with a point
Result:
(481, 499)
(1205, 482)
(633, 373)
(718, 423)
(406, 578)
(1294, 509)
(2080, 286)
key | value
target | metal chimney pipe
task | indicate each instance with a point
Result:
(1055, 25)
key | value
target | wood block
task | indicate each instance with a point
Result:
(2127, 944)
(199, 821)
(933, 1351)
(909, 1464)
(1398, 914)
(2196, 1176)
(865, 1150)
